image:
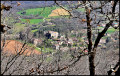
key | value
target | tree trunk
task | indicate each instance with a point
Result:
(91, 52)
(91, 64)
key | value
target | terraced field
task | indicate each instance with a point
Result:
(46, 13)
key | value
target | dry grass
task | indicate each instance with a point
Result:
(59, 12)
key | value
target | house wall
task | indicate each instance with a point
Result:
(54, 34)
(37, 41)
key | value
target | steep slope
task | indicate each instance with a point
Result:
(13, 47)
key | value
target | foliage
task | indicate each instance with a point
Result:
(18, 27)
(34, 30)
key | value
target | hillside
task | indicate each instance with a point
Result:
(60, 38)
(13, 47)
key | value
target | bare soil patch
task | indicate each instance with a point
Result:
(59, 12)
(13, 47)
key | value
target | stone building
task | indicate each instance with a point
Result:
(37, 42)
(53, 34)
(102, 41)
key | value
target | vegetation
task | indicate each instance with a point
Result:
(81, 9)
(38, 12)
(74, 39)
(110, 30)
(44, 12)
(34, 30)
(18, 27)
(33, 21)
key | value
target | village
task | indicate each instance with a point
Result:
(74, 40)
(60, 38)
(77, 40)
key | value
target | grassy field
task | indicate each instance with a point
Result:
(44, 12)
(33, 21)
(110, 30)
(45, 50)
(41, 12)
(81, 9)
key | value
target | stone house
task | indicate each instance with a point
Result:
(53, 34)
(102, 41)
(70, 41)
(37, 42)
(62, 38)
(115, 25)
(57, 46)
(60, 42)
(103, 25)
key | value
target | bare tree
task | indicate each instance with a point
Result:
(90, 8)
(61, 64)
(11, 59)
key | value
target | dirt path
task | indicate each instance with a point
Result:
(13, 47)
